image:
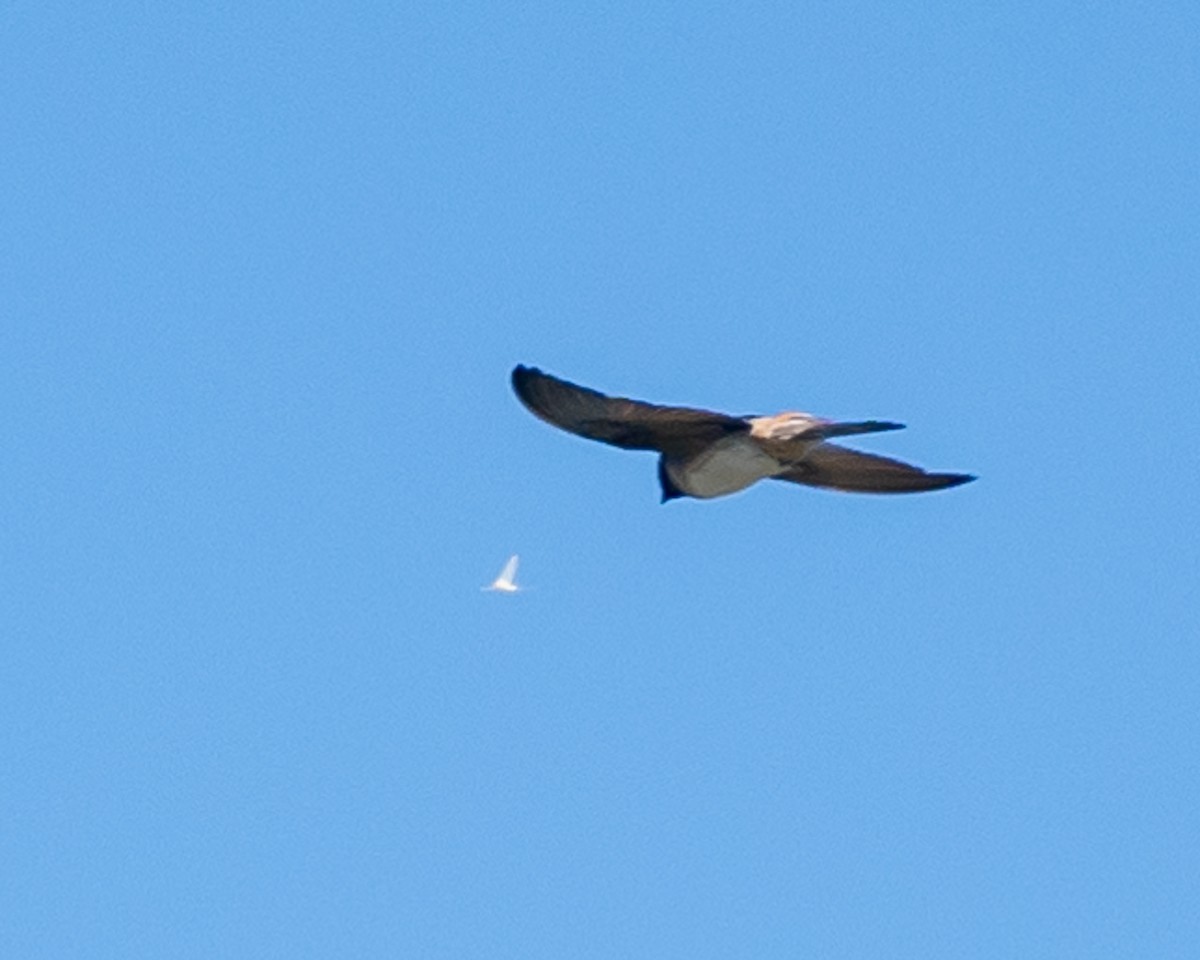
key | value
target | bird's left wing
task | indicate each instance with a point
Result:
(631, 424)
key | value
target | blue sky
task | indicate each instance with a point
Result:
(263, 273)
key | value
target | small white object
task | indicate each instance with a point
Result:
(506, 582)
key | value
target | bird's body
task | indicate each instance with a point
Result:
(704, 454)
(730, 464)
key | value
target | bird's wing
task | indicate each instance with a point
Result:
(630, 424)
(837, 468)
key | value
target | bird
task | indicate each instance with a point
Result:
(703, 454)
(506, 582)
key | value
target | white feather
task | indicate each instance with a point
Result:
(506, 582)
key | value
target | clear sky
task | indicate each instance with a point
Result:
(264, 271)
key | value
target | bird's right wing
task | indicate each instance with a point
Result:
(838, 468)
(630, 424)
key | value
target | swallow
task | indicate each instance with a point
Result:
(703, 454)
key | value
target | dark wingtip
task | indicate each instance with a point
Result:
(957, 479)
(521, 378)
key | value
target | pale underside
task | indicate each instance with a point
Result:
(727, 466)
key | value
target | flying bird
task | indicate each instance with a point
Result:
(506, 582)
(704, 454)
